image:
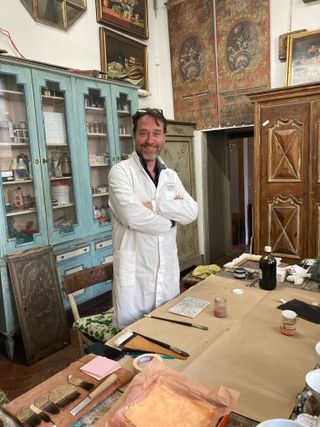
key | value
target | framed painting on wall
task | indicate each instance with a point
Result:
(123, 59)
(130, 16)
(303, 58)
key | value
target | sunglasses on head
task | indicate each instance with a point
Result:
(150, 110)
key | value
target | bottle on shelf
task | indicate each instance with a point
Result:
(65, 165)
(267, 270)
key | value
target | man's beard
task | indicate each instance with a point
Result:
(150, 156)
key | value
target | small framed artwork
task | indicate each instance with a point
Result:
(303, 58)
(123, 59)
(130, 16)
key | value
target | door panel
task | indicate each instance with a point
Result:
(284, 179)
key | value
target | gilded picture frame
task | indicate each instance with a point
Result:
(128, 16)
(123, 58)
(303, 58)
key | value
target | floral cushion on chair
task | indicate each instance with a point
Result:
(98, 326)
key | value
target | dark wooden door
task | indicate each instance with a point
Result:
(284, 178)
(314, 188)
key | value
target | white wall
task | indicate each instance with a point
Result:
(79, 48)
(285, 16)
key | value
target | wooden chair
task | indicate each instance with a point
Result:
(98, 326)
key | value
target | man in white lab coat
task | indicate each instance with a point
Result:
(146, 200)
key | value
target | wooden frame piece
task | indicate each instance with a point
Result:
(303, 58)
(130, 17)
(39, 304)
(123, 59)
(249, 261)
(283, 42)
(244, 261)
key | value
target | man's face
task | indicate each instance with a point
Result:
(149, 137)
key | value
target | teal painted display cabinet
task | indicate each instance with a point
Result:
(60, 133)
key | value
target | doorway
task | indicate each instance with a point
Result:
(229, 192)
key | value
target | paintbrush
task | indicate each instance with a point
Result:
(179, 322)
(42, 402)
(63, 394)
(41, 414)
(79, 382)
(28, 417)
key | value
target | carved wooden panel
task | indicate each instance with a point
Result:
(284, 156)
(39, 302)
(284, 225)
(281, 175)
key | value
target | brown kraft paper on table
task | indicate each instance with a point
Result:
(244, 350)
(267, 367)
(64, 417)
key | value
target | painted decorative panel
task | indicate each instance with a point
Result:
(284, 151)
(243, 56)
(193, 61)
(284, 221)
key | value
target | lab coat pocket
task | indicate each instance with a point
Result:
(124, 267)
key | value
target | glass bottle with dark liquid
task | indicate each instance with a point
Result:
(267, 270)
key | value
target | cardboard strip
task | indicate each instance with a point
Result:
(142, 344)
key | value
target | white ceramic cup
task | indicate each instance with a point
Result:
(279, 422)
(317, 347)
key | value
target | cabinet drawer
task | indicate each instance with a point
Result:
(74, 253)
(103, 244)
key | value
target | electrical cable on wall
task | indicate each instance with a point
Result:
(7, 34)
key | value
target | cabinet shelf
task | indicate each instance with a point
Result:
(57, 145)
(67, 205)
(100, 165)
(125, 135)
(18, 182)
(14, 144)
(100, 195)
(94, 108)
(53, 98)
(123, 113)
(12, 92)
(96, 134)
(60, 178)
(22, 212)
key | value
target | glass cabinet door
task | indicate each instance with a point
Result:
(125, 109)
(24, 219)
(58, 153)
(98, 152)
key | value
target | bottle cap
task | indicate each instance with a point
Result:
(267, 248)
(289, 314)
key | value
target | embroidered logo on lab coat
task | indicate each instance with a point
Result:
(171, 186)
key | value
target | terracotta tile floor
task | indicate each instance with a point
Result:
(16, 377)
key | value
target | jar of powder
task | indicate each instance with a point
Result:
(220, 307)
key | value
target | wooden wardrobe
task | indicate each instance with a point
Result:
(287, 171)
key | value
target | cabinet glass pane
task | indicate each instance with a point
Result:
(58, 157)
(98, 152)
(16, 162)
(124, 111)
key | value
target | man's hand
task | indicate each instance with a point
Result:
(149, 205)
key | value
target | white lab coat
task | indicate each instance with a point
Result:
(145, 261)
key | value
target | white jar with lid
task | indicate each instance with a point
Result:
(288, 322)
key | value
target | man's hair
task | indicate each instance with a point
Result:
(156, 113)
